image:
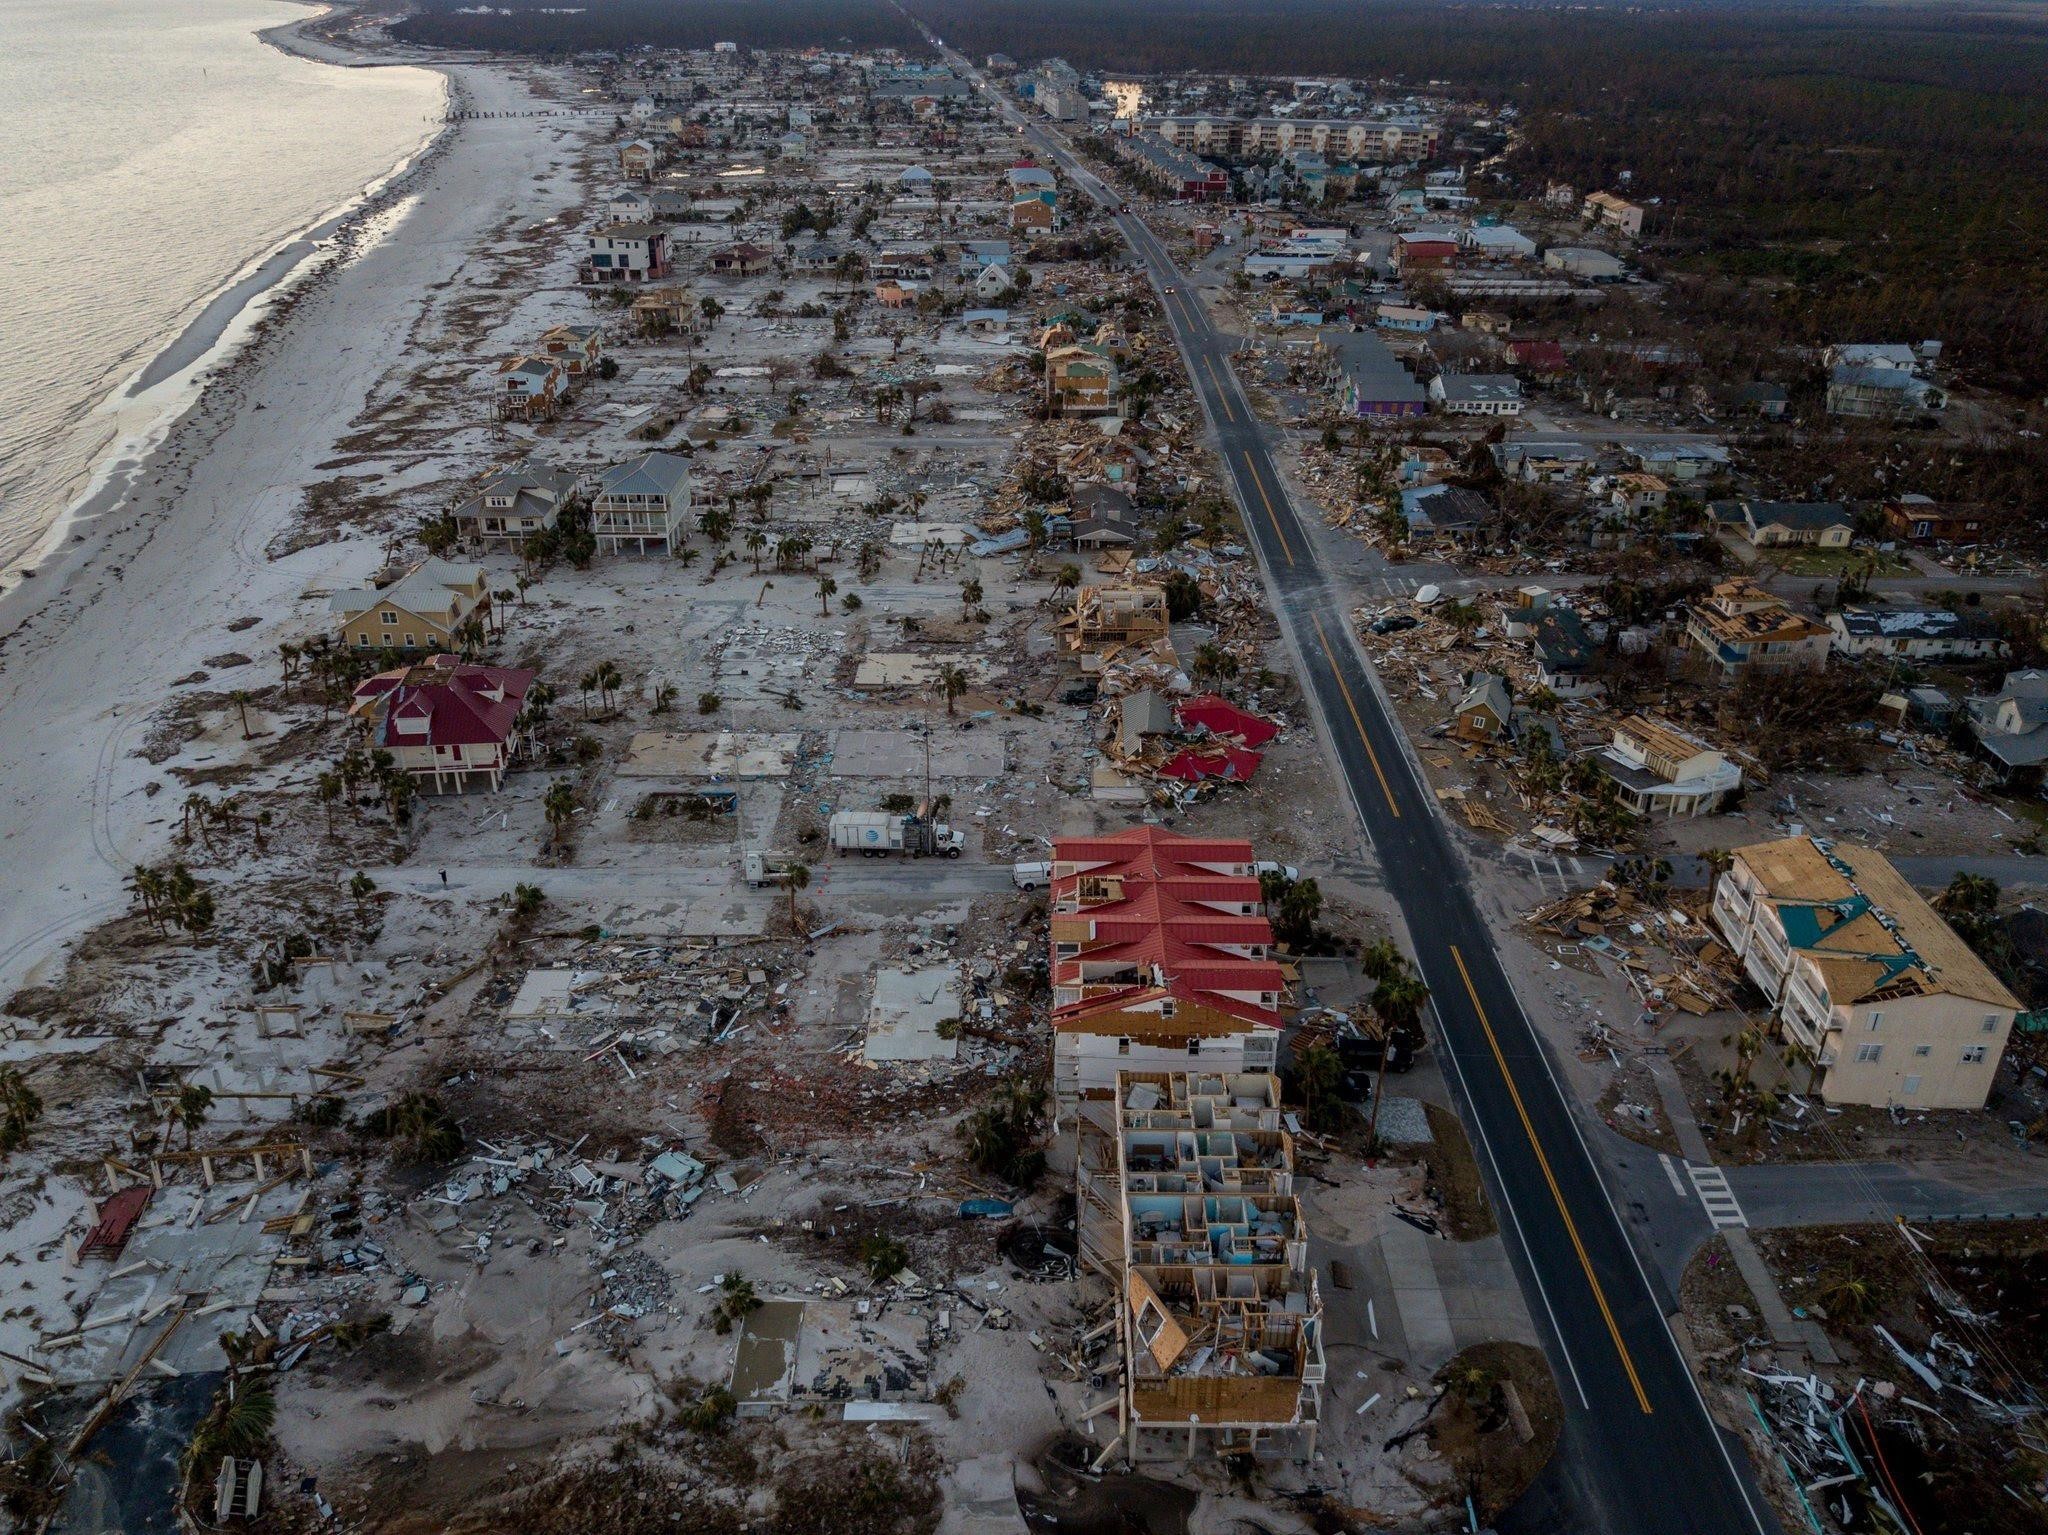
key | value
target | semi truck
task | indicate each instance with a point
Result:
(879, 833)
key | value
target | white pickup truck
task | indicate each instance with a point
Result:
(1031, 876)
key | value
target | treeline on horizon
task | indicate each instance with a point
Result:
(1892, 161)
(623, 25)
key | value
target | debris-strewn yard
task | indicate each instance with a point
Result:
(1936, 1395)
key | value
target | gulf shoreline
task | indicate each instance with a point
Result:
(231, 321)
(135, 607)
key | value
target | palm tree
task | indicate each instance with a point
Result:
(796, 877)
(240, 699)
(952, 680)
(399, 793)
(20, 1108)
(1319, 1075)
(608, 677)
(970, 596)
(150, 888)
(1968, 893)
(1380, 959)
(1397, 1005)
(328, 787)
(1213, 663)
(351, 769)
(360, 888)
(558, 804)
(194, 1099)
(826, 588)
(756, 542)
(1066, 578)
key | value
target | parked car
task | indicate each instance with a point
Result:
(1394, 623)
(1286, 871)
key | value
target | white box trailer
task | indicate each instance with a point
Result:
(880, 833)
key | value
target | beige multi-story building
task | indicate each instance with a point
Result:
(1878, 992)
(1186, 1209)
(1615, 212)
(1341, 138)
(1080, 380)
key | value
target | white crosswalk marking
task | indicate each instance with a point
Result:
(1671, 1172)
(1711, 1184)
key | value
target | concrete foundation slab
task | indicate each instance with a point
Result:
(904, 1018)
(901, 754)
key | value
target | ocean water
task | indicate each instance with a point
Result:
(155, 154)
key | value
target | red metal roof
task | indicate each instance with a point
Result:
(1196, 764)
(462, 704)
(1219, 716)
(1164, 925)
(117, 1218)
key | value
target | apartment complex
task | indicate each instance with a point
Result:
(1884, 999)
(1340, 138)
(1186, 1207)
(1162, 958)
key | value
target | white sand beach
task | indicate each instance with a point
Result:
(138, 596)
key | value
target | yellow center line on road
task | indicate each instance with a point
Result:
(1222, 399)
(1271, 516)
(1359, 724)
(1599, 1295)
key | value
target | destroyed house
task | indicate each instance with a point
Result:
(1115, 615)
(1739, 625)
(1486, 711)
(1369, 380)
(1186, 1209)
(1080, 380)
(530, 387)
(1564, 654)
(1888, 1004)
(1925, 634)
(1927, 522)
(578, 348)
(1161, 951)
(1659, 770)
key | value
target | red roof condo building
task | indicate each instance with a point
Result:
(1161, 955)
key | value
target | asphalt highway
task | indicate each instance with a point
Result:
(1640, 1454)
